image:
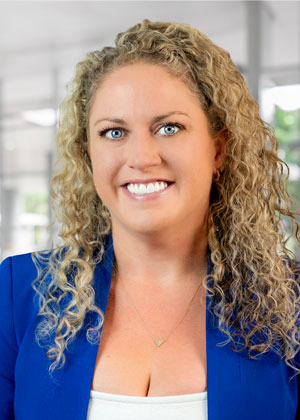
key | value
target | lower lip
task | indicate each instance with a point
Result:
(150, 196)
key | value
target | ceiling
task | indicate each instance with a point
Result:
(39, 38)
(37, 34)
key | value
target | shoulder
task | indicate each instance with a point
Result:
(17, 303)
(17, 267)
(18, 272)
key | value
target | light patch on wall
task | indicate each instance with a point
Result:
(286, 97)
(46, 117)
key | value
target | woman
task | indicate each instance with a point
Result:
(170, 196)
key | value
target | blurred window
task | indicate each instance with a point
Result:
(281, 108)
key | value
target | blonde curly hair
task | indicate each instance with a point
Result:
(253, 286)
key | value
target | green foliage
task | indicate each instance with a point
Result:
(36, 203)
(287, 126)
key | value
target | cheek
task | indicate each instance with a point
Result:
(102, 187)
(104, 173)
(196, 158)
(100, 161)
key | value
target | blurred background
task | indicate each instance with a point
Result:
(41, 42)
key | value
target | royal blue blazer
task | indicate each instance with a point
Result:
(238, 388)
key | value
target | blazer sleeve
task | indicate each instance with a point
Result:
(8, 342)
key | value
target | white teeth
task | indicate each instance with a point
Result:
(142, 189)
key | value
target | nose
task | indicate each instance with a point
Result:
(143, 151)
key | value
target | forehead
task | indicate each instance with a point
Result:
(143, 85)
(142, 69)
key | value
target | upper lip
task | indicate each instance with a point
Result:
(146, 181)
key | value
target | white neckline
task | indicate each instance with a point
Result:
(161, 399)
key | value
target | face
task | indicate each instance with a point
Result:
(163, 135)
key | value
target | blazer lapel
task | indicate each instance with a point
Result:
(223, 369)
(102, 282)
(74, 381)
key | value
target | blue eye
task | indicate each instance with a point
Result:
(165, 126)
(113, 130)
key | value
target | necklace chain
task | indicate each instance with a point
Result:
(159, 342)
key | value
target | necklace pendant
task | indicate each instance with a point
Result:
(158, 342)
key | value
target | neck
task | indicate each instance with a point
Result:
(165, 262)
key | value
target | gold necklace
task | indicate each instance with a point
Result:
(158, 342)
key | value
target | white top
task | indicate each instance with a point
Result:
(104, 406)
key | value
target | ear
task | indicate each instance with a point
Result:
(219, 143)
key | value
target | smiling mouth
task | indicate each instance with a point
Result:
(140, 183)
(147, 195)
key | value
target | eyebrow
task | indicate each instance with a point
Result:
(154, 120)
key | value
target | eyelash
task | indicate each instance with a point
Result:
(105, 130)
